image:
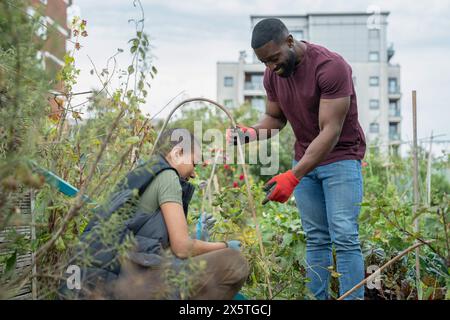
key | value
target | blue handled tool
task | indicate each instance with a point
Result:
(52, 179)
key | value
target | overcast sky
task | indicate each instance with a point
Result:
(189, 37)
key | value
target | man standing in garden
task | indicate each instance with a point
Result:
(312, 88)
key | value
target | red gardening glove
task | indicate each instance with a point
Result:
(245, 134)
(280, 187)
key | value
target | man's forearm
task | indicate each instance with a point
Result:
(317, 151)
(269, 123)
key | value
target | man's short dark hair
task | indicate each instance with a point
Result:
(267, 30)
(176, 136)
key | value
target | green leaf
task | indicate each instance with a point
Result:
(287, 239)
(132, 140)
(11, 263)
(68, 59)
(60, 245)
(335, 274)
(130, 69)
(142, 52)
(428, 292)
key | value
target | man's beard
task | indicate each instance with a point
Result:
(289, 66)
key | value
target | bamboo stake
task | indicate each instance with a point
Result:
(34, 284)
(429, 171)
(416, 191)
(253, 208)
(207, 192)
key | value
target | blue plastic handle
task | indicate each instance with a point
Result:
(63, 186)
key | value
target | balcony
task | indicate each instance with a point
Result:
(394, 136)
(255, 86)
(394, 89)
(395, 115)
(394, 92)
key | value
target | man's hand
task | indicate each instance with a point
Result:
(280, 187)
(245, 134)
(204, 226)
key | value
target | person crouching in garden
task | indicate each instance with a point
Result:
(164, 262)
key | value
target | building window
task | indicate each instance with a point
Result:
(30, 11)
(228, 103)
(259, 103)
(41, 58)
(254, 81)
(374, 127)
(228, 81)
(374, 34)
(374, 104)
(393, 86)
(394, 150)
(41, 31)
(297, 34)
(374, 81)
(393, 131)
(393, 109)
(374, 56)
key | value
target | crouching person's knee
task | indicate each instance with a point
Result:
(237, 268)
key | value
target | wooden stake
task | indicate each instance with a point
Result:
(416, 191)
(430, 158)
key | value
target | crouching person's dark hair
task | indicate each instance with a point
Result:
(176, 136)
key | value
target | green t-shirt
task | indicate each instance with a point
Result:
(164, 188)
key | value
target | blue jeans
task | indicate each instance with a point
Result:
(328, 199)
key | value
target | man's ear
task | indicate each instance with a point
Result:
(290, 41)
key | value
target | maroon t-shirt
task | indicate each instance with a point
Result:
(321, 74)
